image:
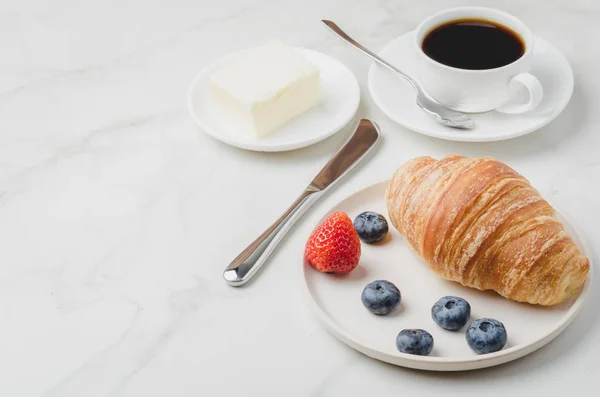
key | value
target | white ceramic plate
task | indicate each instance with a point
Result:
(397, 99)
(335, 300)
(340, 97)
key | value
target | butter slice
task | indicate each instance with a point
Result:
(265, 88)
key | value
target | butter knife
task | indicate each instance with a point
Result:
(250, 260)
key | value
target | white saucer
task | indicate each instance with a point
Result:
(397, 99)
(335, 300)
(340, 97)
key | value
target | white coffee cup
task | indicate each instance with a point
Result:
(475, 91)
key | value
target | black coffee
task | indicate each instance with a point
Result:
(474, 44)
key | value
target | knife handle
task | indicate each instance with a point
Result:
(247, 263)
(250, 260)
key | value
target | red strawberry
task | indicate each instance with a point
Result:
(334, 246)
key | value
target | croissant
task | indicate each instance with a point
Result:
(478, 222)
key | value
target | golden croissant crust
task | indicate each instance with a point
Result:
(478, 222)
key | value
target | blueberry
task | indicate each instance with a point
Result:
(451, 312)
(371, 227)
(414, 341)
(380, 297)
(486, 335)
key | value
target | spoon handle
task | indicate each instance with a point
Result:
(344, 36)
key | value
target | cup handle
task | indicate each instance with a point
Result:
(533, 86)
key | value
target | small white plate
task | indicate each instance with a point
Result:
(335, 300)
(340, 97)
(397, 99)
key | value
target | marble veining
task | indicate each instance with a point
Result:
(117, 215)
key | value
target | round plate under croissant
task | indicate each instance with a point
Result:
(335, 300)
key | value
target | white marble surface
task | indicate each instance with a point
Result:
(117, 215)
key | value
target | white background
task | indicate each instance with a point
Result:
(117, 216)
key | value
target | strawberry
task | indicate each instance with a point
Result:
(334, 246)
